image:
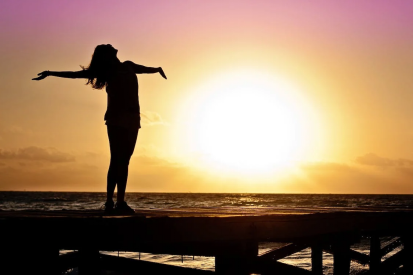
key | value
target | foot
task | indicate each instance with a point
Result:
(124, 208)
(108, 207)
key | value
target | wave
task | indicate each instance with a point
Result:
(78, 201)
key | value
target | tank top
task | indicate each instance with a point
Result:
(123, 99)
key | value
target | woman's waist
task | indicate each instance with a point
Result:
(122, 113)
(124, 108)
(124, 122)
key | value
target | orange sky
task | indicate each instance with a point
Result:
(261, 96)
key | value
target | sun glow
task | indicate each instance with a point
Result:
(248, 123)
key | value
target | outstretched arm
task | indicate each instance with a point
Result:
(140, 69)
(83, 74)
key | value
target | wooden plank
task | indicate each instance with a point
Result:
(359, 257)
(354, 256)
(205, 212)
(68, 261)
(282, 252)
(121, 265)
(270, 267)
(136, 230)
(392, 263)
(238, 228)
(391, 246)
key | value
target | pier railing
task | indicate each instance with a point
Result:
(32, 240)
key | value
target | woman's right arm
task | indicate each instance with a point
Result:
(83, 74)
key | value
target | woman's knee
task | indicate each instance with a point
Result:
(116, 161)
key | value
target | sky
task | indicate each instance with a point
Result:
(261, 96)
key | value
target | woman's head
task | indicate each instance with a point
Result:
(105, 51)
(103, 61)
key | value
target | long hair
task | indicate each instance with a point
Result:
(100, 67)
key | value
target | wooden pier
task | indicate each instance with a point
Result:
(31, 240)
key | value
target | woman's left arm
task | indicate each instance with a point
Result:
(82, 74)
(140, 69)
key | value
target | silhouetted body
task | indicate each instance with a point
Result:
(122, 115)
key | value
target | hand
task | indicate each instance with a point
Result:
(42, 75)
(162, 73)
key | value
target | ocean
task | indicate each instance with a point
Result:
(86, 200)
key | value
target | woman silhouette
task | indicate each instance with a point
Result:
(122, 115)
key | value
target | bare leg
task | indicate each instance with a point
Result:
(122, 179)
(111, 181)
(122, 144)
(130, 143)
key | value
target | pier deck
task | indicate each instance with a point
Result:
(231, 235)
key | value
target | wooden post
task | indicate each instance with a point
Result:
(49, 260)
(89, 261)
(407, 254)
(317, 259)
(341, 255)
(237, 258)
(375, 254)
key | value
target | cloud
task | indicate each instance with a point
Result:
(34, 153)
(151, 118)
(404, 162)
(70, 176)
(154, 173)
(400, 167)
(16, 130)
(326, 166)
(146, 174)
(334, 177)
(372, 159)
(369, 173)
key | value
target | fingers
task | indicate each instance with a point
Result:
(40, 77)
(162, 73)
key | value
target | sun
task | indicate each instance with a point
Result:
(247, 122)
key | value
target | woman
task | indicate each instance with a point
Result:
(122, 115)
